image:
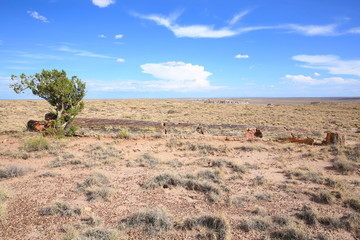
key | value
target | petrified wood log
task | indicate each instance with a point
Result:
(335, 139)
(35, 126)
(50, 116)
(253, 133)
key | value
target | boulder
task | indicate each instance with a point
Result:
(50, 116)
(253, 133)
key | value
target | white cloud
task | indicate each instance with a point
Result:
(354, 30)
(36, 15)
(312, 81)
(118, 36)
(316, 74)
(121, 60)
(237, 17)
(312, 30)
(192, 31)
(241, 56)
(304, 79)
(209, 31)
(331, 63)
(102, 36)
(178, 76)
(102, 3)
(340, 80)
(83, 53)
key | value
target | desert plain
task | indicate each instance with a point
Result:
(182, 169)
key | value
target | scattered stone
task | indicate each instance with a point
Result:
(253, 133)
(36, 126)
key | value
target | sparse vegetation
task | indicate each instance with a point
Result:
(217, 225)
(4, 195)
(12, 171)
(206, 182)
(62, 208)
(153, 221)
(97, 186)
(38, 143)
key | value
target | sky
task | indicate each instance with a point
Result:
(185, 48)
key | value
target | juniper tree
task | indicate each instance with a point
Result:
(55, 87)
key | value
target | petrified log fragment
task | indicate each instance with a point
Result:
(35, 126)
(308, 141)
(335, 139)
(253, 133)
(50, 116)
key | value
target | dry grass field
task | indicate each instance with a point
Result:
(129, 180)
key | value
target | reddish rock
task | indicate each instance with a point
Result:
(36, 126)
(253, 133)
(308, 141)
(335, 139)
(50, 116)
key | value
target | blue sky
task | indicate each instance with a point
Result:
(197, 48)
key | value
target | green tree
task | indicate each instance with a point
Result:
(55, 87)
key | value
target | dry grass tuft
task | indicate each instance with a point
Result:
(308, 214)
(217, 225)
(153, 221)
(62, 208)
(36, 144)
(343, 165)
(204, 181)
(97, 186)
(4, 195)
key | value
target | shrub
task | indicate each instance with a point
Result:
(353, 202)
(62, 208)
(100, 234)
(256, 223)
(12, 171)
(36, 144)
(308, 214)
(152, 221)
(146, 160)
(289, 233)
(343, 165)
(218, 225)
(324, 197)
(97, 186)
(164, 180)
(4, 195)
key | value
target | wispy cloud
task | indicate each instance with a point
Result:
(103, 3)
(332, 63)
(83, 53)
(241, 56)
(121, 60)
(313, 81)
(312, 30)
(119, 36)
(102, 36)
(36, 15)
(354, 30)
(229, 30)
(237, 17)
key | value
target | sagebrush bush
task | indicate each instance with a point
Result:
(218, 225)
(308, 214)
(152, 221)
(343, 165)
(12, 171)
(62, 208)
(36, 144)
(97, 186)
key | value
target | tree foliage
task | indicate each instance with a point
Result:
(55, 87)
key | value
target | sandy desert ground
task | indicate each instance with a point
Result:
(123, 178)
